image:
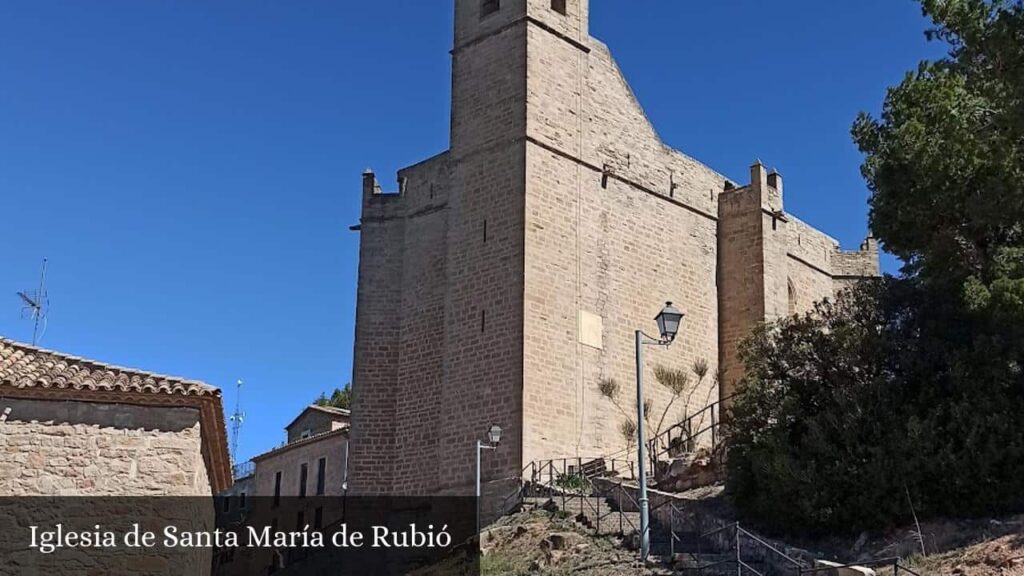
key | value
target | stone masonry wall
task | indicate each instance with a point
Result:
(442, 263)
(375, 358)
(810, 255)
(612, 247)
(519, 263)
(149, 452)
(740, 269)
(91, 450)
(483, 365)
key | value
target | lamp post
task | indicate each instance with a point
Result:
(493, 437)
(668, 326)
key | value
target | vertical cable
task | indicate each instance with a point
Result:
(581, 376)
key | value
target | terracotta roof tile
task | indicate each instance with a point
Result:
(26, 366)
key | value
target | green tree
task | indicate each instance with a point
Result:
(340, 398)
(880, 393)
(910, 387)
(945, 162)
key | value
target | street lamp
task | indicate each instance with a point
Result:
(668, 321)
(494, 437)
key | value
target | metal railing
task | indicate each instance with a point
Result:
(571, 482)
(243, 469)
(680, 438)
(765, 553)
(567, 481)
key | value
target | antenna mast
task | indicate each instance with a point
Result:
(236, 419)
(36, 305)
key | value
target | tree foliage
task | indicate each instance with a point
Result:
(846, 409)
(340, 398)
(945, 162)
(911, 385)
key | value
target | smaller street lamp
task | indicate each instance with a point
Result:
(494, 438)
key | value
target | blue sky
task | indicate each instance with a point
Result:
(191, 168)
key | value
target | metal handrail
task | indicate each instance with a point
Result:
(591, 500)
(243, 469)
(760, 541)
(748, 567)
(664, 439)
(757, 540)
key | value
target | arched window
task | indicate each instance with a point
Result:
(792, 298)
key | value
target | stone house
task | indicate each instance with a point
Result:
(97, 434)
(312, 461)
(297, 484)
(76, 427)
(505, 276)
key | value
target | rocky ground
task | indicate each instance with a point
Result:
(540, 542)
(547, 541)
(966, 548)
(1003, 556)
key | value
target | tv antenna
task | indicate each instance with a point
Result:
(236, 419)
(37, 304)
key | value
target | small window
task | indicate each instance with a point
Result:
(277, 490)
(241, 500)
(488, 7)
(321, 476)
(558, 6)
(227, 503)
(307, 433)
(303, 477)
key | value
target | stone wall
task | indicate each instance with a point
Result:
(506, 277)
(851, 266)
(78, 448)
(810, 255)
(616, 225)
(84, 449)
(448, 269)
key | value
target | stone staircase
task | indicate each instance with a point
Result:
(685, 556)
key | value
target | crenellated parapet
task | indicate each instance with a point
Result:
(855, 264)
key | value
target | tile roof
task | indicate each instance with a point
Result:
(33, 372)
(26, 366)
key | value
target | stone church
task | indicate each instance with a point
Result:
(505, 277)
